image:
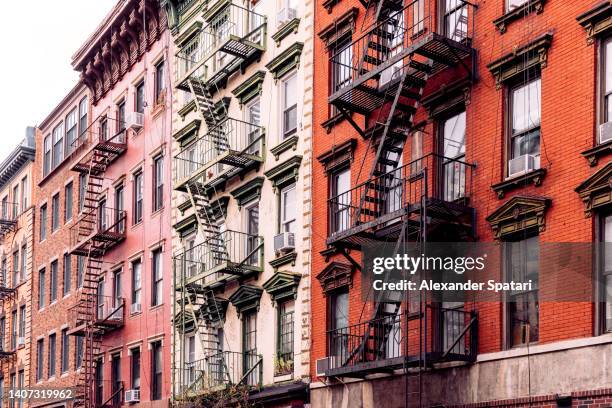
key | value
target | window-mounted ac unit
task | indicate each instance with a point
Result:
(20, 341)
(323, 365)
(284, 15)
(284, 242)
(132, 396)
(135, 308)
(135, 120)
(521, 165)
(605, 132)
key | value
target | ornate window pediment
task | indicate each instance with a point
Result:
(188, 132)
(596, 191)
(597, 21)
(338, 155)
(285, 173)
(336, 275)
(519, 214)
(282, 286)
(286, 61)
(213, 310)
(246, 298)
(342, 26)
(248, 192)
(522, 59)
(186, 226)
(250, 88)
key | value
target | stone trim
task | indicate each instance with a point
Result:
(531, 55)
(534, 177)
(188, 34)
(338, 155)
(248, 192)
(449, 97)
(342, 26)
(596, 191)
(285, 30)
(595, 153)
(187, 109)
(286, 61)
(246, 298)
(186, 226)
(285, 173)
(335, 275)
(519, 214)
(250, 88)
(218, 7)
(329, 5)
(279, 261)
(597, 21)
(187, 132)
(522, 11)
(282, 286)
(289, 143)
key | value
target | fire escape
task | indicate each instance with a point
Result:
(97, 230)
(232, 38)
(8, 223)
(382, 76)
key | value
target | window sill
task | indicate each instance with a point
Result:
(283, 378)
(594, 154)
(521, 11)
(285, 30)
(534, 177)
(138, 224)
(284, 260)
(158, 211)
(288, 143)
(156, 307)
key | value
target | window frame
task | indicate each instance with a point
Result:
(334, 191)
(67, 274)
(287, 224)
(157, 275)
(52, 349)
(135, 367)
(139, 97)
(68, 201)
(47, 155)
(42, 286)
(158, 182)
(65, 353)
(286, 133)
(285, 331)
(138, 199)
(55, 211)
(40, 360)
(160, 80)
(83, 115)
(53, 270)
(156, 370)
(136, 291)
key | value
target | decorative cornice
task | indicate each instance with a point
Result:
(596, 191)
(218, 6)
(282, 286)
(534, 177)
(279, 261)
(521, 11)
(219, 207)
(250, 88)
(329, 5)
(186, 226)
(189, 131)
(449, 97)
(335, 275)
(189, 33)
(597, 21)
(289, 143)
(285, 173)
(340, 27)
(214, 309)
(187, 109)
(594, 154)
(184, 206)
(520, 214)
(286, 61)
(338, 155)
(248, 192)
(289, 27)
(532, 55)
(246, 298)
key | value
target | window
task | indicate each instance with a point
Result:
(135, 369)
(15, 203)
(103, 128)
(99, 382)
(157, 289)
(65, 350)
(24, 193)
(289, 89)
(418, 17)
(82, 191)
(67, 274)
(83, 108)
(117, 288)
(52, 354)
(606, 268)
(288, 210)
(16, 273)
(119, 208)
(55, 203)
(252, 230)
(43, 222)
(78, 352)
(249, 345)
(1, 388)
(139, 102)
(47, 155)
(453, 152)
(116, 378)
(455, 19)
(342, 68)
(253, 117)
(58, 144)
(525, 125)
(416, 152)
(159, 80)
(5, 208)
(14, 329)
(156, 370)
(285, 336)
(121, 115)
(158, 183)
(20, 385)
(2, 333)
(138, 204)
(136, 281)
(53, 281)
(523, 264)
(41, 288)
(24, 261)
(512, 4)
(22, 321)
(80, 270)
(338, 319)
(4, 273)
(13, 385)
(341, 199)
(68, 202)
(40, 356)
(71, 131)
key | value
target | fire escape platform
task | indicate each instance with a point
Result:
(98, 242)
(7, 225)
(111, 149)
(6, 292)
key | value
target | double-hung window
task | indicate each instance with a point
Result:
(67, 274)
(289, 103)
(71, 131)
(83, 108)
(524, 143)
(43, 222)
(285, 338)
(68, 202)
(158, 182)
(157, 277)
(341, 199)
(58, 144)
(288, 210)
(138, 199)
(55, 211)
(47, 155)
(160, 81)
(136, 282)
(139, 102)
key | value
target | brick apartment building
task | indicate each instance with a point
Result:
(461, 121)
(17, 223)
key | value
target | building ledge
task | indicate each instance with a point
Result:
(289, 143)
(594, 154)
(534, 177)
(187, 109)
(286, 61)
(285, 259)
(285, 30)
(250, 88)
(521, 11)
(596, 21)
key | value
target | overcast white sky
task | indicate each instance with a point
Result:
(37, 39)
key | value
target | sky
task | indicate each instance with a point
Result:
(37, 46)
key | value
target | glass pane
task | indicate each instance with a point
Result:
(512, 4)
(526, 107)
(608, 247)
(454, 136)
(528, 143)
(341, 310)
(608, 66)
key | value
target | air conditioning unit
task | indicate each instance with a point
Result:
(605, 132)
(284, 15)
(135, 308)
(323, 365)
(284, 242)
(20, 341)
(521, 165)
(134, 120)
(132, 396)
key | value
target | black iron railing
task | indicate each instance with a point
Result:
(98, 221)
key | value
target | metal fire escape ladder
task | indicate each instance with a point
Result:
(204, 102)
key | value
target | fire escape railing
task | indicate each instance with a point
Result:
(382, 342)
(229, 253)
(391, 194)
(9, 214)
(232, 35)
(232, 144)
(100, 224)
